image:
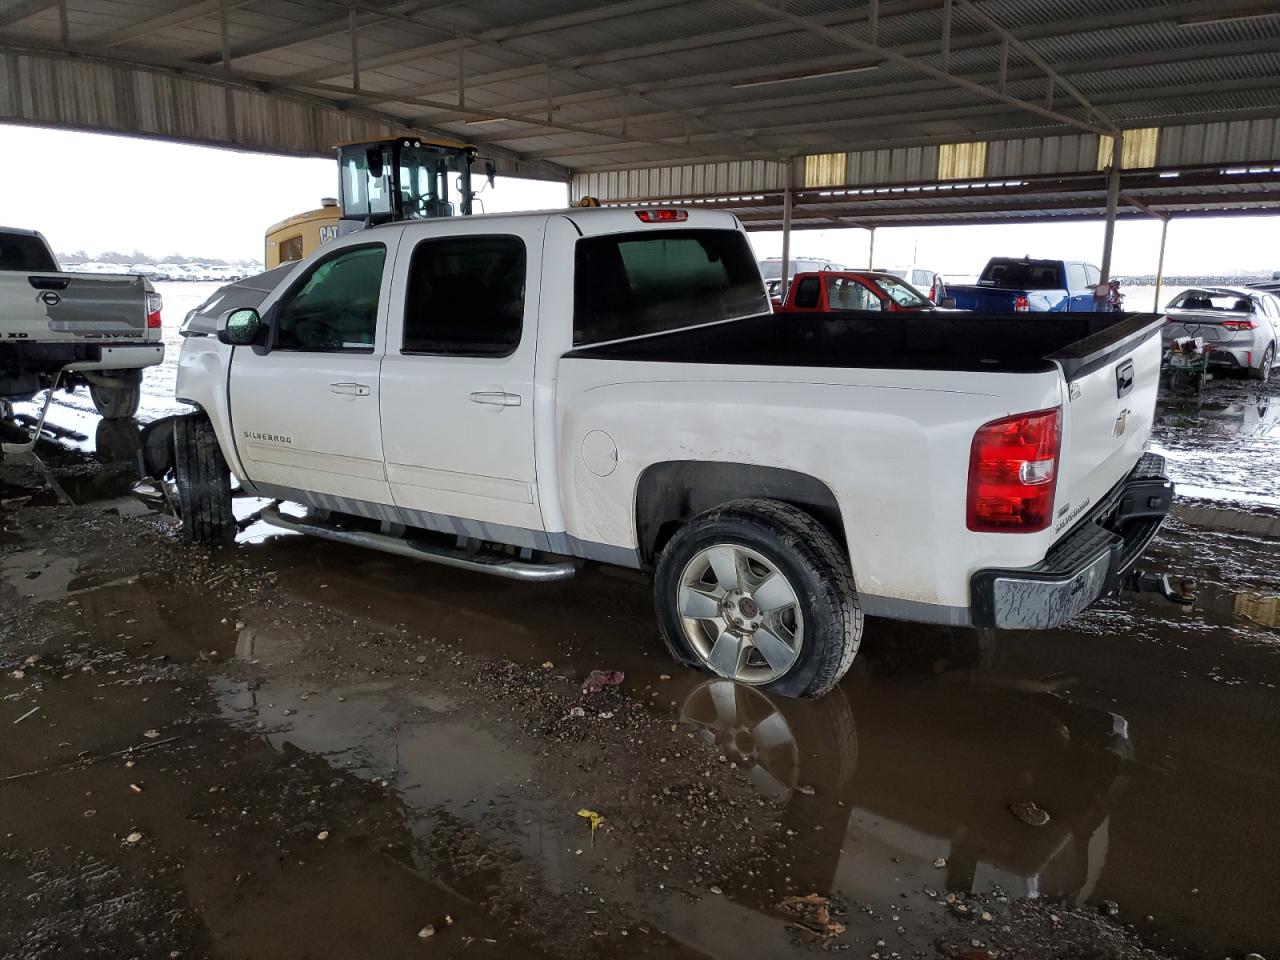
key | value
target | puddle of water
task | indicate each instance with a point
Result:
(1223, 445)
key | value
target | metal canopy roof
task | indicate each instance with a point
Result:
(554, 86)
(1213, 191)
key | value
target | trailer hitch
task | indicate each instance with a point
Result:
(1181, 592)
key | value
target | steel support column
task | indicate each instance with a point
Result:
(786, 232)
(871, 248)
(1164, 234)
(1113, 202)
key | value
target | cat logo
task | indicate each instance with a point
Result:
(328, 232)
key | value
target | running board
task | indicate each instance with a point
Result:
(493, 565)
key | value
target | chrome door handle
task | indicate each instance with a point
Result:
(350, 389)
(497, 398)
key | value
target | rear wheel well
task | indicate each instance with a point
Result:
(669, 494)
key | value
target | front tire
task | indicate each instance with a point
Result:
(121, 399)
(761, 593)
(203, 482)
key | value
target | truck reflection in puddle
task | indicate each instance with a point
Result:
(908, 773)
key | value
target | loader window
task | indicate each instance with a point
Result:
(366, 183)
(465, 297)
(334, 307)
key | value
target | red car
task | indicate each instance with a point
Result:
(836, 290)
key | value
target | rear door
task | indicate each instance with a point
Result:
(305, 412)
(457, 381)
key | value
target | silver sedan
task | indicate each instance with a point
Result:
(1242, 326)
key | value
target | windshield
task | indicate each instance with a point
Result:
(424, 184)
(630, 284)
(1210, 300)
(901, 293)
(771, 269)
(1023, 274)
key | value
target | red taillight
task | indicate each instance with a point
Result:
(1021, 304)
(1238, 325)
(933, 292)
(662, 215)
(1013, 473)
(154, 304)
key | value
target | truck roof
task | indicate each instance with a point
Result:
(20, 231)
(599, 220)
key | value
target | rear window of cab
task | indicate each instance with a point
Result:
(631, 284)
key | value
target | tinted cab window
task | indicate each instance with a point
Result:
(334, 306)
(465, 297)
(630, 284)
(22, 252)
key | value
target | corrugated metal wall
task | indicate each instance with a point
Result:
(1234, 141)
(1072, 153)
(121, 99)
(688, 180)
(1241, 141)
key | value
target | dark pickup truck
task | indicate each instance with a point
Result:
(1009, 285)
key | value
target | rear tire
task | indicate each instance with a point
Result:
(1263, 370)
(203, 481)
(811, 603)
(121, 400)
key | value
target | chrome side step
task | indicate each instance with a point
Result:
(493, 565)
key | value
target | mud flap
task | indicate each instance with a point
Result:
(155, 459)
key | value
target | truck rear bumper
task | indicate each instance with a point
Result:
(1087, 563)
(127, 357)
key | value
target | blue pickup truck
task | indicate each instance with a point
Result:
(1011, 285)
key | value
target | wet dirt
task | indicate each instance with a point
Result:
(430, 725)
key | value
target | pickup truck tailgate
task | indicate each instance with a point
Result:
(42, 307)
(1111, 384)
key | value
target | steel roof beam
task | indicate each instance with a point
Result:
(499, 36)
(704, 41)
(848, 40)
(923, 87)
(1022, 34)
(762, 135)
(1027, 51)
(673, 45)
(23, 9)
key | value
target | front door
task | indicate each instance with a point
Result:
(457, 380)
(305, 412)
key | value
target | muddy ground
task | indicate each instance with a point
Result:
(299, 749)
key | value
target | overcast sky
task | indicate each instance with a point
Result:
(97, 192)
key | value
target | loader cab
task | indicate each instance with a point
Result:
(403, 179)
(381, 181)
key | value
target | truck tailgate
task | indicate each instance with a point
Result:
(53, 307)
(1109, 406)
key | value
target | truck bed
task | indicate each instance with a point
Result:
(1025, 343)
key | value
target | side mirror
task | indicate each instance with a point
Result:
(239, 328)
(947, 303)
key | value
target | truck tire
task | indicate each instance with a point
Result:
(119, 401)
(761, 593)
(203, 481)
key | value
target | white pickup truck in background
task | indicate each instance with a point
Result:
(519, 393)
(69, 329)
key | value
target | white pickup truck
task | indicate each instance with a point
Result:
(70, 329)
(519, 394)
